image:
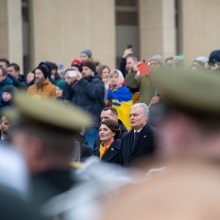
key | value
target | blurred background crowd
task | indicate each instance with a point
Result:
(71, 136)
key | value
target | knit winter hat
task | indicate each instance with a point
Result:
(214, 57)
(9, 89)
(90, 65)
(87, 52)
(157, 58)
(44, 70)
(47, 64)
(77, 63)
(202, 59)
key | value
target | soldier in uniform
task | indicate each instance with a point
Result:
(44, 133)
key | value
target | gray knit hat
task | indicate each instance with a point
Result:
(156, 58)
(87, 52)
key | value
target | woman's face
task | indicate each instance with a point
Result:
(105, 74)
(106, 134)
(115, 81)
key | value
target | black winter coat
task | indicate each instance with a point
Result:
(143, 145)
(88, 93)
(112, 154)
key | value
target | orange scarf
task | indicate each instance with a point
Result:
(103, 149)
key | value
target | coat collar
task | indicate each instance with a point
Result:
(112, 151)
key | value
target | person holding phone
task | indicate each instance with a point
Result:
(72, 75)
(88, 93)
(128, 60)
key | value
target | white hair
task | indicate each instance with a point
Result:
(144, 107)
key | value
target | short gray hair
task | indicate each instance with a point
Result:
(144, 107)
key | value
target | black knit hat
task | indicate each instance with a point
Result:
(44, 70)
(90, 65)
(214, 57)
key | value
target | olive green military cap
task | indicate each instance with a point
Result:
(53, 113)
(194, 91)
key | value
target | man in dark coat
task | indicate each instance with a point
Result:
(88, 93)
(139, 142)
(46, 141)
(13, 71)
(14, 206)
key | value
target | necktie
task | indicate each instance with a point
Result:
(134, 139)
(135, 135)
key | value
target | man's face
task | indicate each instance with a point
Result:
(87, 72)
(137, 118)
(129, 63)
(2, 77)
(4, 125)
(3, 64)
(154, 65)
(39, 76)
(108, 115)
(11, 71)
(84, 57)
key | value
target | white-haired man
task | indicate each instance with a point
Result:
(139, 142)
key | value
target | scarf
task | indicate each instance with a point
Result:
(103, 148)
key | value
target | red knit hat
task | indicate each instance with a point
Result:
(77, 63)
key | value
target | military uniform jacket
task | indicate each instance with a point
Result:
(48, 184)
(143, 83)
(143, 145)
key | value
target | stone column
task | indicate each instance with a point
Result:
(11, 46)
(200, 27)
(157, 28)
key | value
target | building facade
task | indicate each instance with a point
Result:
(57, 30)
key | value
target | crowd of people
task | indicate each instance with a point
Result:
(144, 111)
